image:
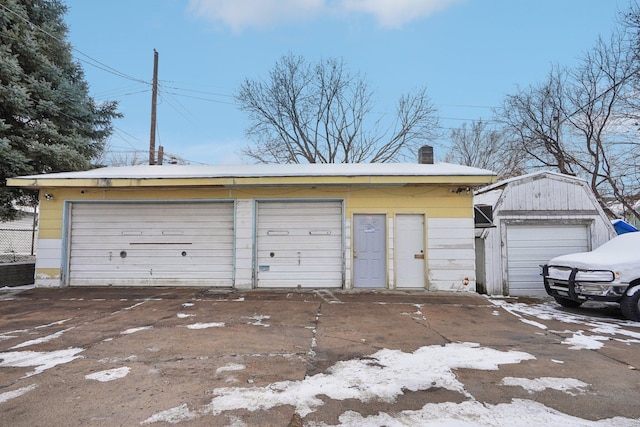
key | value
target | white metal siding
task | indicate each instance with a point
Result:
(156, 244)
(451, 254)
(529, 246)
(557, 193)
(299, 243)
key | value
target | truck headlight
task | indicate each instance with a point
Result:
(595, 276)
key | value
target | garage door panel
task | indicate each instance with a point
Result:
(299, 243)
(529, 246)
(140, 244)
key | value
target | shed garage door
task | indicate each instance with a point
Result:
(529, 246)
(154, 244)
(299, 244)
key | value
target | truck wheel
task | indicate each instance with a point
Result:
(566, 302)
(630, 306)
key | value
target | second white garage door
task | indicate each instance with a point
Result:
(299, 244)
(529, 246)
(152, 244)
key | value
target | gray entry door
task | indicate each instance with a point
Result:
(369, 260)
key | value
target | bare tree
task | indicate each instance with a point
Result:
(322, 114)
(485, 148)
(577, 122)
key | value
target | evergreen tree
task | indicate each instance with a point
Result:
(48, 121)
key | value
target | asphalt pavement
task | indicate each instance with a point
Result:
(192, 357)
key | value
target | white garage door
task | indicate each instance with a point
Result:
(299, 244)
(529, 246)
(153, 244)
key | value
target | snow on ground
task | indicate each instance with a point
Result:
(109, 374)
(42, 360)
(579, 341)
(257, 320)
(471, 413)
(41, 340)
(231, 367)
(8, 395)
(597, 330)
(543, 383)
(206, 325)
(383, 376)
(184, 315)
(134, 330)
(388, 373)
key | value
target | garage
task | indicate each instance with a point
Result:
(529, 246)
(151, 244)
(265, 226)
(299, 244)
(523, 222)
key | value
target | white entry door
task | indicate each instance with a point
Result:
(369, 243)
(410, 256)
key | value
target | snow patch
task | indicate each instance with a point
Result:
(109, 374)
(519, 412)
(41, 340)
(56, 323)
(383, 376)
(8, 395)
(231, 367)
(540, 384)
(585, 342)
(42, 360)
(257, 320)
(172, 416)
(134, 330)
(206, 325)
(184, 316)
(134, 306)
(534, 323)
(598, 326)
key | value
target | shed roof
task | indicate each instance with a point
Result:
(525, 177)
(263, 174)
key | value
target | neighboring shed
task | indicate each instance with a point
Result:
(396, 226)
(535, 217)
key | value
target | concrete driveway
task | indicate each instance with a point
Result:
(197, 357)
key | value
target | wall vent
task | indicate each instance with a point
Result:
(483, 216)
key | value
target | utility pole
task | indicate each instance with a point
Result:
(154, 98)
(160, 155)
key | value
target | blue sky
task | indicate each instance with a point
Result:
(468, 53)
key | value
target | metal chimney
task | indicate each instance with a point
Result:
(425, 155)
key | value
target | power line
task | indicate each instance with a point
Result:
(200, 91)
(203, 99)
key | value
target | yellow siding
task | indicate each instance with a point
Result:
(435, 201)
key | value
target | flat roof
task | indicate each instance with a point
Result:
(261, 174)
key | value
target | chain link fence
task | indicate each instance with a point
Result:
(16, 245)
(17, 240)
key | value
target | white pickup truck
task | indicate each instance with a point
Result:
(610, 272)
